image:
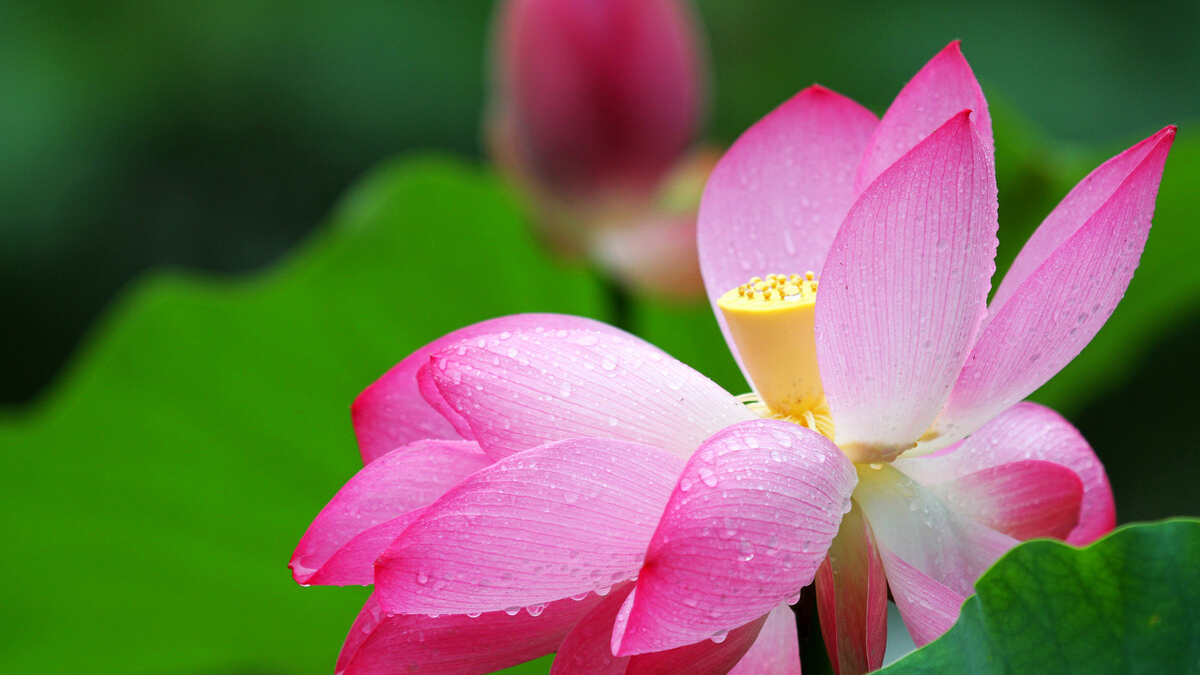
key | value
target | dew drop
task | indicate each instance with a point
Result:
(745, 551)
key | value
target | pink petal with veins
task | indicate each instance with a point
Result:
(777, 197)
(904, 289)
(454, 644)
(852, 599)
(776, 651)
(927, 607)
(391, 412)
(746, 528)
(1027, 431)
(1025, 499)
(532, 388)
(767, 647)
(1061, 305)
(1072, 212)
(405, 479)
(556, 521)
(932, 555)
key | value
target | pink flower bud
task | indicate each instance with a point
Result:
(594, 100)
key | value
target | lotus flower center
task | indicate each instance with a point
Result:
(771, 320)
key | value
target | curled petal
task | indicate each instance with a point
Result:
(1027, 431)
(903, 291)
(1061, 305)
(391, 412)
(525, 389)
(777, 197)
(454, 644)
(360, 521)
(932, 556)
(852, 599)
(936, 93)
(749, 522)
(552, 522)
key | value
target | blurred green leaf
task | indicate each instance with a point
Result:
(689, 332)
(152, 500)
(1126, 604)
(1164, 292)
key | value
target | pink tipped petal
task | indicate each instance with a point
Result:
(776, 199)
(931, 543)
(454, 644)
(1060, 306)
(746, 528)
(1027, 431)
(776, 651)
(1025, 499)
(362, 518)
(530, 388)
(600, 96)
(354, 561)
(1072, 212)
(391, 412)
(556, 521)
(904, 289)
(852, 599)
(936, 93)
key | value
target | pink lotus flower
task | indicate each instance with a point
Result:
(539, 484)
(594, 107)
(902, 352)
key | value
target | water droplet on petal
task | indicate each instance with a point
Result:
(745, 551)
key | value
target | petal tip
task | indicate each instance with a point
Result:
(301, 574)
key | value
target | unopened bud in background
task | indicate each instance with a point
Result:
(595, 106)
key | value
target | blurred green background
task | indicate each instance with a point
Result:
(169, 435)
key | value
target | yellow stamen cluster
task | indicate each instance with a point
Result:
(818, 418)
(790, 288)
